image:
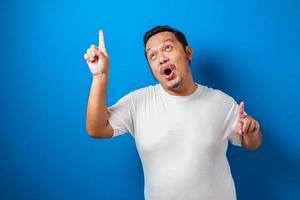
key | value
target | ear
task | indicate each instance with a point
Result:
(189, 52)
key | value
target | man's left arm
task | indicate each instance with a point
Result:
(249, 129)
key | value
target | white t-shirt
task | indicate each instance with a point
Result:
(182, 141)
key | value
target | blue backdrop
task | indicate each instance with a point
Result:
(248, 49)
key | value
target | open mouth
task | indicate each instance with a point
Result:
(167, 71)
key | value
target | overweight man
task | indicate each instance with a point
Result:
(181, 128)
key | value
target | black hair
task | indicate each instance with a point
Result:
(178, 34)
(158, 29)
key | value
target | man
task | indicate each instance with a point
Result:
(181, 128)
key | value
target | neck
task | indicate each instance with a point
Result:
(183, 90)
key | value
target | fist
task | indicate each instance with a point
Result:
(97, 57)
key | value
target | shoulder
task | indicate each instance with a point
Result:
(144, 91)
(216, 95)
(142, 97)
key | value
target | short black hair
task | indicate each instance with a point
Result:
(178, 34)
(158, 29)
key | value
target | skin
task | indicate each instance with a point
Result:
(249, 129)
(163, 50)
(97, 124)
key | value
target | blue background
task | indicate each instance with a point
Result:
(248, 49)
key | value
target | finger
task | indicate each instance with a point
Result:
(102, 42)
(91, 52)
(246, 125)
(94, 52)
(97, 52)
(88, 51)
(85, 56)
(242, 110)
(252, 126)
(257, 127)
(88, 58)
(101, 55)
(93, 46)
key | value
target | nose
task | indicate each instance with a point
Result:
(163, 59)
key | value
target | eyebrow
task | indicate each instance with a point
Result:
(166, 40)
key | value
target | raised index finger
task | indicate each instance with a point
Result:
(242, 110)
(101, 42)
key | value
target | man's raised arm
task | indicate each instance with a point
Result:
(97, 124)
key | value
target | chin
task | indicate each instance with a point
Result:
(174, 85)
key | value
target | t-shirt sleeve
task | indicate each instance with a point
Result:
(232, 119)
(120, 116)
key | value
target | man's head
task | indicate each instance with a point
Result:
(168, 54)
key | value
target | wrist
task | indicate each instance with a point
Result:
(100, 76)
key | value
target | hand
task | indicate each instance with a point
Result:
(246, 124)
(97, 57)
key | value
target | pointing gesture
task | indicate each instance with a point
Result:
(246, 124)
(97, 57)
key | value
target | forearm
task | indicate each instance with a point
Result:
(97, 116)
(253, 140)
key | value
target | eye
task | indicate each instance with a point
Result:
(152, 56)
(168, 48)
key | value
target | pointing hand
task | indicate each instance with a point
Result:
(97, 57)
(246, 124)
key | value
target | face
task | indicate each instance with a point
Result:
(169, 61)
